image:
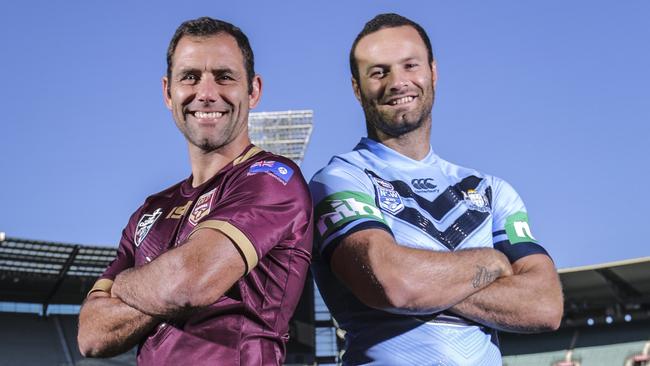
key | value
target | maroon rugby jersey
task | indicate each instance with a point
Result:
(262, 203)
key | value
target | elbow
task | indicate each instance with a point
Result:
(85, 347)
(550, 315)
(555, 311)
(548, 323)
(90, 346)
(553, 318)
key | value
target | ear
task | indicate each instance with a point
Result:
(434, 73)
(167, 95)
(256, 92)
(355, 88)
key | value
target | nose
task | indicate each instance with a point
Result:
(397, 81)
(207, 90)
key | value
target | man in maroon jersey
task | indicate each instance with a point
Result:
(210, 270)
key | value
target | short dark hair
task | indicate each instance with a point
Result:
(381, 21)
(205, 27)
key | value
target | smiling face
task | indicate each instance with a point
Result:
(396, 83)
(208, 92)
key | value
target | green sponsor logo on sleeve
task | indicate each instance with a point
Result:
(340, 208)
(518, 229)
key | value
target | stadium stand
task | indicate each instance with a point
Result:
(606, 320)
(34, 275)
(607, 313)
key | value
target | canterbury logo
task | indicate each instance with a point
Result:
(423, 184)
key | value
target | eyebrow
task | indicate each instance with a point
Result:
(383, 65)
(216, 71)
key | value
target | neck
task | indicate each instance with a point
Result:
(206, 164)
(414, 144)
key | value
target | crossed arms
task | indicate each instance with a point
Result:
(175, 284)
(478, 284)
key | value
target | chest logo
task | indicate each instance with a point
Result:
(202, 207)
(476, 201)
(144, 225)
(424, 184)
(388, 198)
(179, 211)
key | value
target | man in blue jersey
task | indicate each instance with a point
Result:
(420, 260)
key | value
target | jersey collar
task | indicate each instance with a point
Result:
(387, 154)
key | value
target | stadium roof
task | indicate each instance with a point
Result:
(47, 273)
(606, 290)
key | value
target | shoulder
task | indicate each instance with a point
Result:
(155, 202)
(274, 166)
(345, 167)
(461, 172)
(267, 177)
(165, 193)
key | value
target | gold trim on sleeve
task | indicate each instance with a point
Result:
(249, 154)
(103, 284)
(238, 238)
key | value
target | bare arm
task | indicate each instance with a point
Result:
(385, 275)
(183, 279)
(528, 301)
(108, 327)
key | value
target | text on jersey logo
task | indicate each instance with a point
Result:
(387, 197)
(202, 207)
(518, 229)
(340, 208)
(179, 211)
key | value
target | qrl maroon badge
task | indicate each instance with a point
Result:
(202, 207)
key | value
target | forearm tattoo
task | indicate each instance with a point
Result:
(484, 276)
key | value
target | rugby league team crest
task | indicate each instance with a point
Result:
(389, 200)
(202, 207)
(145, 224)
(476, 201)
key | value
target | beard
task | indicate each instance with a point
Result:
(396, 123)
(208, 142)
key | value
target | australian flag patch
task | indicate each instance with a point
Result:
(274, 168)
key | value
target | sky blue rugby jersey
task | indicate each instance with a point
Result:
(430, 204)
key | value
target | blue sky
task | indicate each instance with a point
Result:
(550, 95)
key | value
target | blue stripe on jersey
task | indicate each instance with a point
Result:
(460, 229)
(328, 250)
(519, 250)
(499, 236)
(445, 201)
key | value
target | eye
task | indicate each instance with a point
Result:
(410, 66)
(225, 78)
(189, 78)
(377, 74)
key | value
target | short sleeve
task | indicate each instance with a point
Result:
(344, 203)
(511, 230)
(124, 259)
(266, 205)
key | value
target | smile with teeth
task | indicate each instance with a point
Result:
(401, 100)
(207, 115)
